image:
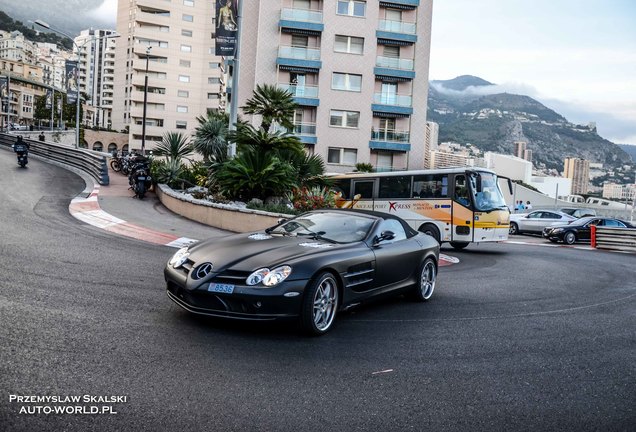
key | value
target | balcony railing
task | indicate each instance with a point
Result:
(301, 129)
(300, 53)
(303, 15)
(394, 63)
(393, 99)
(307, 91)
(391, 136)
(397, 27)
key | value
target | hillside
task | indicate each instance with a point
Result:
(466, 113)
(629, 149)
(8, 24)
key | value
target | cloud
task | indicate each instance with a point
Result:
(509, 87)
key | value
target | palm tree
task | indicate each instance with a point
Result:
(273, 104)
(210, 138)
(174, 146)
(249, 138)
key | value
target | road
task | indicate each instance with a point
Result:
(516, 337)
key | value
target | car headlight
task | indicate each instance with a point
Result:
(179, 257)
(268, 277)
(557, 230)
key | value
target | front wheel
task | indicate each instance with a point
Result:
(426, 282)
(141, 189)
(458, 245)
(514, 229)
(320, 304)
(569, 238)
(115, 165)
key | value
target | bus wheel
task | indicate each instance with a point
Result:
(431, 230)
(458, 245)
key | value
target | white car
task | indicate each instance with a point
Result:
(535, 221)
(18, 127)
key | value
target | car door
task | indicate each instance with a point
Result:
(530, 222)
(549, 218)
(396, 259)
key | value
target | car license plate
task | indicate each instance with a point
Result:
(221, 288)
(141, 178)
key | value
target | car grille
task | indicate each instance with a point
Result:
(232, 277)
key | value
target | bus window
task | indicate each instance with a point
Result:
(461, 191)
(395, 187)
(343, 186)
(364, 188)
(430, 186)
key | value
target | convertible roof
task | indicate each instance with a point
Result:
(410, 232)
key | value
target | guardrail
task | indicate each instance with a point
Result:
(93, 164)
(613, 238)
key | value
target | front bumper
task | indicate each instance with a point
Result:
(245, 303)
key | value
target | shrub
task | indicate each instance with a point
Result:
(305, 199)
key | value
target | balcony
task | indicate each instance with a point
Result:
(396, 31)
(400, 4)
(305, 131)
(397, 69)
(392, 105)
(299, 59)
(390, 140)
(305, 95)
(301, 21)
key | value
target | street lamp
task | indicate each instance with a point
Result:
(143, 120)
(77, 48)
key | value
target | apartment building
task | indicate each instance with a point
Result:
(15, 47)
(358, 70)
(25, 85)
(172, 43)
(579, 171)
(96, 74)
(431, 142)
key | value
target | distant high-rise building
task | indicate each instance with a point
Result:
(579, 171)
(527, 155)
(520, 149)
(175, 41)
(431, 143)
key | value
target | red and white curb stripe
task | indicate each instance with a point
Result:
(446, 260)
(548, 245)
(88, 211)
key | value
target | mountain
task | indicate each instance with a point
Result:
(468, 109)
(8, 24)
(629, 149)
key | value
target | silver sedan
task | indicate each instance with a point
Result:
(535, 221)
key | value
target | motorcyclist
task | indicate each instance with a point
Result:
(21, 147)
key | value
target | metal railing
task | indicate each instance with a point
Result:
(87, 161)
(299, 53)
(307, 90)
(394, 63)
(613, 238)
(390, 135)
(397, 27)
(393, 99)
(304, 15)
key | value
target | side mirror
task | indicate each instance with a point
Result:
(386, 235)
(281, 220)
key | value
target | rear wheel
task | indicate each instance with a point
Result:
(320, 304)
(458, 245)
(426, 282)
(115, 165)
(141, 190)
(431, 230)
(569, 238)
(514, 228)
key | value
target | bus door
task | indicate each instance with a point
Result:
(363, 192)
(462, 214)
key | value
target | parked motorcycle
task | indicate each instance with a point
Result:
(139, 178)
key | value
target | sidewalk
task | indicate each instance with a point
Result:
(113, 208)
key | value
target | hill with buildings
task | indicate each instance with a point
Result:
(468, 110)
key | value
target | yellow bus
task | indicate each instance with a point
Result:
(455, 205)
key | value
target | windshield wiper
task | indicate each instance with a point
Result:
(317, 236)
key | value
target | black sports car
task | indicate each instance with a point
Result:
(309, 267)
(580, 229)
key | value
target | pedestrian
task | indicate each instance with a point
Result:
(528, 205)
(520, 206)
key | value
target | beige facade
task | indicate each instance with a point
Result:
(25, 83)
(579, 171)
(358, 70)
(173, 40)
(431, 143)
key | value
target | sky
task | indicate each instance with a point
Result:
(577, 57)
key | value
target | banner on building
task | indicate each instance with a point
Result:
(226, 28)
(72, 91)
(4, 93)
(48, 102)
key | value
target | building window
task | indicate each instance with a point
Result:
(348, 119)
(347, 82)
(349, 44)
(186, 33)
(188, 3)
(184, 63)
(342, 156)
(214, 65)
(182, 109)
(182, 124)
(214, 80)
(184, 78)
(213, 96)
(186, 48)
(183, 93)
(188, 18)
(352, 7)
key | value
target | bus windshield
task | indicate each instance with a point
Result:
(486, 193)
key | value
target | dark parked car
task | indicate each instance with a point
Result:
(581, 229)
(309, 267)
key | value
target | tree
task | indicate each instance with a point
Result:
(273, 104)
(248, 138)
(174, 146)
(210, 137)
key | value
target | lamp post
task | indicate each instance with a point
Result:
(143, 120)
(77, 48)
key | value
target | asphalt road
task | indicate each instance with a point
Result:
(516, 337)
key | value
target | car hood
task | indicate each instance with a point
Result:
(248, 252)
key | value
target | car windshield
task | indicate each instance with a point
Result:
(329, 226)
(489, 197)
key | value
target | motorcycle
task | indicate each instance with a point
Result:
(23, 154)
(139, 178)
